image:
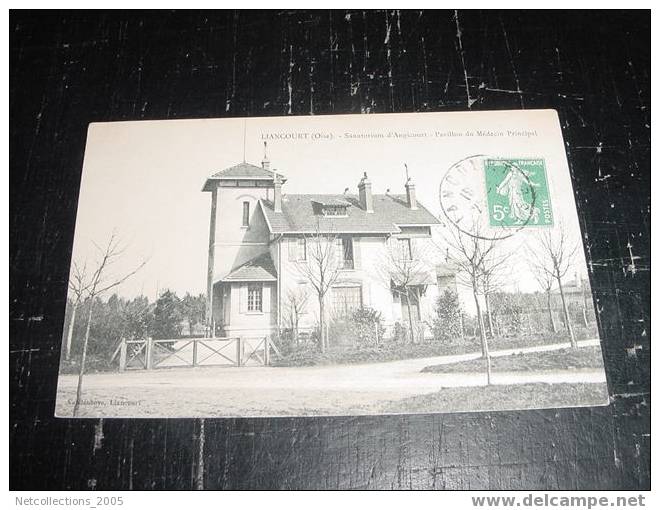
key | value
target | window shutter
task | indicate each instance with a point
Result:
(357, 256)
(292, 242)
(265, 297)
(242, 297)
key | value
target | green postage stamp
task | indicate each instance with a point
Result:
(517, 193)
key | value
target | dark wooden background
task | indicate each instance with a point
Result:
(72, 68)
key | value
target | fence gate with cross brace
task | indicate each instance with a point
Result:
(193, 352)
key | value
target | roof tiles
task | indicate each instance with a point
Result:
(389, 211)
(242, 171)
(260, 268)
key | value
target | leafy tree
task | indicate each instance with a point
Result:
(193, 309)
(137, 317)
(112, 320)
(447, 320)
(168, 315)
(106, 327)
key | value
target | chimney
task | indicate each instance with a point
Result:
(277, 193)
(410, 194)
(366, 199)
(265, 163)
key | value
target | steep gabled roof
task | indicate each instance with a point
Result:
(242, 171)
(258, 269)
(389, 212)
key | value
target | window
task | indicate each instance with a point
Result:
(410, 307)
(405, 249)
(329, 210)
(246, 214)
(346, 299)
(347, 253)
(302, 248)
(255, 297)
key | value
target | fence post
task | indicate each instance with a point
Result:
(266, 350)
(149, 353)
(238, 351)
(194, 361)
(122, 355)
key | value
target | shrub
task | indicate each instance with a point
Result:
(400, 333)
(361, 327)
(287, 342)
(447, 319)
(340, 332)
(367, 326)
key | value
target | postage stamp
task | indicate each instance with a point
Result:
(517, 193)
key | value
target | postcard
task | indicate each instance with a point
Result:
(328, 266)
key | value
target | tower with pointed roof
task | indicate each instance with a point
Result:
(239, 260)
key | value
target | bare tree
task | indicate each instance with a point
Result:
(554, 253)
(493, 277)
(546, 281)
(99, 282)
(404, 268)
(585, 301)
(78, 285)
(321, 267)
(296, 301)
(477, 260)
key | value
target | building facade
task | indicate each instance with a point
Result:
(270, 253)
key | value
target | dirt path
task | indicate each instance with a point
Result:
(231, 391)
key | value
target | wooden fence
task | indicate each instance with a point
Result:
(194, 352)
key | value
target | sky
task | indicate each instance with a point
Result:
(143, 179)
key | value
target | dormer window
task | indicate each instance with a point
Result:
(334, 211)
(331, 207)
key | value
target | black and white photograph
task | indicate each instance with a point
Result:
(329, 248)
(341, 265)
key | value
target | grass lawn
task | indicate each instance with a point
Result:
(497, 398)
(389, 351)
(584, 357)
(358, 355)
(539, 338)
